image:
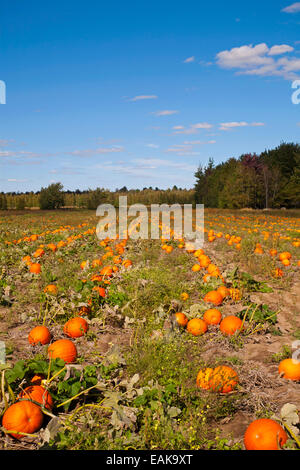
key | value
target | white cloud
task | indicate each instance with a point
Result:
(97, 151)
(277, 50)
(14, 180)
(198, 142)
(165, 112)
(193, 129)
(143, 97)
(152, 146)
(189, 59)
(244, 56)
(293, 8)
(227, 126)
(257, 124)
(259, 60)
(202, 125)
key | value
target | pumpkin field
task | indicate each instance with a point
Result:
(133, 344)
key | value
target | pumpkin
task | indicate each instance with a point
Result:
(39, 252)
(196, 326)
(214, 297)
(83, 264)
(76, 327)
(127, 263)
(204, 261)
(96, 262)
(106, 271)
(203, 379)
(51, 289)
(35, 268)
(52, 247)
(38, 394)
(285, 255)
(223, 291)
(64, 349)
(37, 379)
(196, 268)
(224, 379)
(212, 316)
(100, 290)
(230, 324)
(264, 434)
(39, 334)
(181, 318)
(235, 293)
(289, 369)
(184, 296)
(22, 416)
(277, 272)
(221, 379)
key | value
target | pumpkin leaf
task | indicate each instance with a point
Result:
(289, 415)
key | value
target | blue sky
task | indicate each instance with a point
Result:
(107, 94)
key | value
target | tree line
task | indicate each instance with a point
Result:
(268, 180)
(54, 197)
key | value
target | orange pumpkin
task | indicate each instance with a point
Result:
(35, 268)
(106, 271)
(223, 291)
(76, 327)
(224, 379)
(204, 376)
(181, 318)
(285, 255)
(127, 263)
(290, 369)
(96, 262)
(196, 326)
(212, 316)
(39, 334)
(51, 289)
(264, 434)
(221, 379)
(64, 349)
(22, 416)
(196, 268)
(39, 394)
(214, 297)
(37, 379)
(230, 324)
(235, 293)
(100, 290)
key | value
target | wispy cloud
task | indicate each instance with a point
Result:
(227, 126)
(165, 112)
(152, 146)
(97, 151)
(143, 97)
(4, 142)
(15, 180)
(260, 60)
(293, 8)
(192, 129)
(189, 59)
